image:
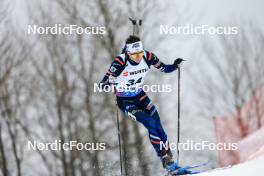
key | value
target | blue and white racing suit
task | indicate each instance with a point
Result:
(134, 102)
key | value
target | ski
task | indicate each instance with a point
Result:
(196, 166)
(186, 170)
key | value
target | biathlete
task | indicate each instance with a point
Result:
(129, 70)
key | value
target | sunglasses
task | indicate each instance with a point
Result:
(136, 56)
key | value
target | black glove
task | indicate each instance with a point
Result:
(104, 83)
(178, 61)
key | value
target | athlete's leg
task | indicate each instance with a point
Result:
(152, 123)
(147, 105)
(165, 153)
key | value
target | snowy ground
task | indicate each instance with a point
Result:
(249, 168)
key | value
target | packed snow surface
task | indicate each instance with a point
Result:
(249, 168)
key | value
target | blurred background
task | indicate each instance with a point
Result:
(47, 82)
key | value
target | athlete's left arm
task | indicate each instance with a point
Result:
(154, 60)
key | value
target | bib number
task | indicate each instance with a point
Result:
(133, 82)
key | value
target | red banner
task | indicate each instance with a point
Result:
(244, 128)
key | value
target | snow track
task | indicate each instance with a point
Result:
(249, 168)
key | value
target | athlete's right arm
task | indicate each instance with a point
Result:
(115, 70)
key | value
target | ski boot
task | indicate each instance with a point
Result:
(172, 167)
(168, 162)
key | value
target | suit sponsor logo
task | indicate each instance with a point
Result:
(132, 116)
(112, 69)
(125, 74)
(138, 71)
(135, 45)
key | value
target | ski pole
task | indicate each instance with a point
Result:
(179, 111)
(178, 128)
(119, 142)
